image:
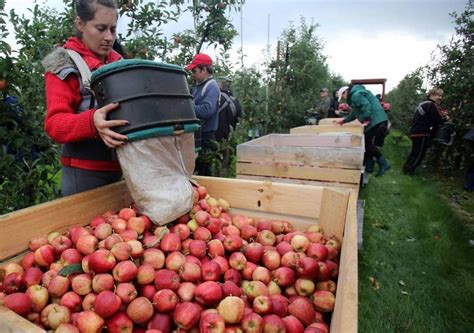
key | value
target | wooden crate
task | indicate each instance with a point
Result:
(316, 129)
(334, 209)
(327, 159)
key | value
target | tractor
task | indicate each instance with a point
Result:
(385, 105)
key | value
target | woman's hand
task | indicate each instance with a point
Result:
(111, 139)
(339, 121)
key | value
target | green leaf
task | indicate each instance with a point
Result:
(71, 269)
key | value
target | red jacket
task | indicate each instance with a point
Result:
(63, 97)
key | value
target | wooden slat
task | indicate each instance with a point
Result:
(316, 129)
(284, 170)
(344, 318)
(19, 227)
(350, 158)
(329, 140)
(266, 196)
(330, 121)
(299, 181)
(334, 210)
(10, 322)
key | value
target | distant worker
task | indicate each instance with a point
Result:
(206, 101)
(321, 109)
(342, 109)
(428, 116)
(367, 109)
(229, 110)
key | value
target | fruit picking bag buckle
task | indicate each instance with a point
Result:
(157, 172)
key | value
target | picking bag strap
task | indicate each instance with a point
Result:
(86, 73)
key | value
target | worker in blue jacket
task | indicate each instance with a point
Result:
(206, 100)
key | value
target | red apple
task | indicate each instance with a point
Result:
(39, 297)
(292, 324)
(252, 323)
(161, 321)
(154, 257)
(254, 289)
(302, 309)
(211, 323)
(190, 272)
(31, 276)
(170, 242)
(237, 261)
(140, 310)
(254, 252)
(215, 248)
(323, 301)
(125, 271)
(89, 321)
(232, 243)
(58, 286)
(36, 242)
(102, 282)
(273, 324)
(165, 300)
(317, 251)
(54, 315)
(126, 292)
(82, 284)
(208, 293)
(186, 315)
(167, 279)
(266, 237)
(271, 260)
(19, 303)
(44, 256)
(211, 271)
(262, 305)
(284, 276)
(186, 291)
(72, 301)
(12, 283)
(231, 309)
(88, 302)
(106, 304)
(127, 213)
(66, 328)
(119, 323)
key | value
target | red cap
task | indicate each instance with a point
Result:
(199, 59)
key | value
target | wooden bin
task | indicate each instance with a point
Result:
(334, 209)
(327, 159)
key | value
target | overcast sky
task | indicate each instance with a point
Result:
(363, 38)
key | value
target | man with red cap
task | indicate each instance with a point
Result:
(206, 100)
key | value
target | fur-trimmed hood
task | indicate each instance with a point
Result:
(57, 60)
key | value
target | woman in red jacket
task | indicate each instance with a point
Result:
(72, 119)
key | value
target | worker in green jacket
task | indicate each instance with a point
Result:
(367, 109)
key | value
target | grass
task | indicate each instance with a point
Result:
(416, 269)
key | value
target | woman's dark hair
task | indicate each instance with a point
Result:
(86, 9)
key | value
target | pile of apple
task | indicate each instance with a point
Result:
(209, 271)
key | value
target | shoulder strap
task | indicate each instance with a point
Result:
(82, 67)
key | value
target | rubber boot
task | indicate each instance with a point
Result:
(384, 166)
(369, 165)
